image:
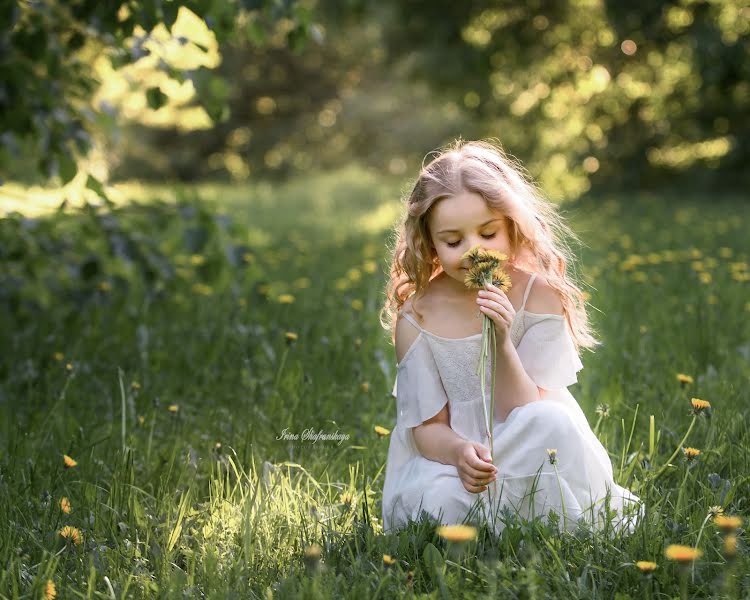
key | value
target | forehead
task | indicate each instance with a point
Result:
(463, 211)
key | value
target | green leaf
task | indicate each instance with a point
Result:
(433, 559)
(297, 39)
(255, 33)
(155, 97)
(94, 184)
(67, 166)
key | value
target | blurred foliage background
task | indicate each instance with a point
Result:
(195, 203)
(587, 93)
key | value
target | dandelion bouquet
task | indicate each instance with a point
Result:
(486, 268)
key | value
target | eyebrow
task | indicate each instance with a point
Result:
(482, 225)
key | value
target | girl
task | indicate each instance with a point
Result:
(547, 458)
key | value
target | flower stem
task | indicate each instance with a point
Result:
(698, 541)
(677, 450)
(562, 499)
(681, 491)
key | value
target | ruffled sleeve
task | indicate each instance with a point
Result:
(419, 390)
(548, 353)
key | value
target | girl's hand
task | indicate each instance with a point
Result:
(474, 467)
(495, 304)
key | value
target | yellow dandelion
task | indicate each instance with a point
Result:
(50, 591)
(682, 553)
(705, 277)
(552, 453)
(217, 446)
(388, 560)
(381, 431)
(691, 453)
(69, 366)
(58, 356)
(725, 252)
(285, 299)
(457, 533)
(105, 286)
(173, 408)
(135, 385)
(472, 254)
(730, 545)
(197, 260)
(646, 566)
(312, 555)
(475, 278)
(643, 329)
(357, 304)
(699, 406)
(370, 266)
(141, 420)
(684, 379)
(248, 257)
(358, 343)
(290, 337)
(728, 523)
(501, 279)
(715, 510)
(493, 256)
(71, 534)
(69, 462)
(365, 386)
(347, 498)
(65, 505)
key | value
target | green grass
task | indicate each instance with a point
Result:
(165, 512)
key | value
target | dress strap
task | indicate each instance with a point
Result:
(412, 320)
(527, 290)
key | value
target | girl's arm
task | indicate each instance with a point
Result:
(436, 441)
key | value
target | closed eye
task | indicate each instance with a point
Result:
(486, 237)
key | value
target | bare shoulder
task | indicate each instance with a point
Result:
(406, 332)
(543, 298)
(420, 310)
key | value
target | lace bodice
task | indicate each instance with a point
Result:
(436, 370)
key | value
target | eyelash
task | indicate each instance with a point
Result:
(486, 237)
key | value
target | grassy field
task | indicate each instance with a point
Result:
(166, 346)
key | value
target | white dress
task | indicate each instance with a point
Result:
(437, 370)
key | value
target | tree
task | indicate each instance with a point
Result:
(45, 84)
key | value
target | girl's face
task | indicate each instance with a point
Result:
(460, 222)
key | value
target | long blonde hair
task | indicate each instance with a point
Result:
(538, 235)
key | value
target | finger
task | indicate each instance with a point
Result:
(497, 295)
(494, 305)
(480, 465)
(500, 317)
(472, 474)
(474, 489)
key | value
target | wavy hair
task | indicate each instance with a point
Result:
(539, 237)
